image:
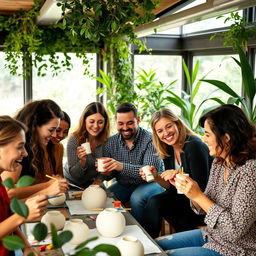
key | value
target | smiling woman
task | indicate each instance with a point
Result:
(42, 119)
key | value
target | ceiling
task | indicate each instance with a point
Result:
(7, 7)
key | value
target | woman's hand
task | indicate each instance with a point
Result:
(153, 171)
(188, 186)
(55, 187)
(36, 206)
(81, 154)
(169, 175)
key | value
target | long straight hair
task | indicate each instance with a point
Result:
(160, 146)
(81, 132)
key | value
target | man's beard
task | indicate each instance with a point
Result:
(127, 137)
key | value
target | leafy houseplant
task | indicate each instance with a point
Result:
(190, 111)
(87, 26)
(13, 242)
(249, 85)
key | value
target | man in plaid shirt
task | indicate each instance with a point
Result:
(126, 152)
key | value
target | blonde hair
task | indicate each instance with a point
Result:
(9, 129)
(160, 146)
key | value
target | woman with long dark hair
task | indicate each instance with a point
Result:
(93, 128)
(229, 200)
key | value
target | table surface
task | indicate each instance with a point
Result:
(130, 220)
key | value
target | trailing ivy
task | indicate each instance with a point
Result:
(87, 26)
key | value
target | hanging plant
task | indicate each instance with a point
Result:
(87, 26)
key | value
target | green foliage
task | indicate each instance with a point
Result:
(25, 181)
(249, 87)
(40, 231)
(19, 207)
(13, 243)
(190, 111)
(239, 33)
(8, 183)
(87, 26)
(151, 94)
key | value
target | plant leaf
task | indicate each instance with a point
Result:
(65, 237)
(13, 243)
(19, 207)
(55, 240)
(8, 183)
(85, 243)
(111, 250)
(25, 181)
(40, 231)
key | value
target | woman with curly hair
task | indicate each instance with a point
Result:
(42, 118)
(229, 200)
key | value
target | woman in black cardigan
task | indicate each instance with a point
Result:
(181, 149)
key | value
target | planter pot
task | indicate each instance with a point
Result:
(58, 200)
(79, 229)
(53, 217)
(94, 197)
(130, 246)
(110, 223)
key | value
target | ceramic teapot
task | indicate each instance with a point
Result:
(94, 197)
(110, 222)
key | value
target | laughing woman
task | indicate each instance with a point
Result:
(42, 118)
(229, 200)
(94, 128)
(12, 151)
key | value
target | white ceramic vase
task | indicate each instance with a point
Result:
(53, 217)
(79, 230)
(94, 197)
(58, 200)
(130, 246)
(110, 222)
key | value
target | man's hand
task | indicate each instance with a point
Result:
(110, 164)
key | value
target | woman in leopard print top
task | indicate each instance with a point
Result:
(229, 200)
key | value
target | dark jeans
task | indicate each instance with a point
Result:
(173, 207)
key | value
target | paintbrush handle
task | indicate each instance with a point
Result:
(50, 177)
(73, 185)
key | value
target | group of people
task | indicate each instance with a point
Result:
(217, 180)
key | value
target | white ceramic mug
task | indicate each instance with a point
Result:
(147, 171)
(178, 176)
(87, 147)
(100, 164)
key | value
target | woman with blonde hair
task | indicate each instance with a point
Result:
(93, 128)
(182, 151)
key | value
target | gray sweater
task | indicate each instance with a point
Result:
(74, 172)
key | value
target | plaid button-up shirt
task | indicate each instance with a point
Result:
(141, 153)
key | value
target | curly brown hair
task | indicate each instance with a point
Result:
(230, 119)
(35, 114)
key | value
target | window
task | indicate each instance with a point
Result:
(220, 67)
(71, 89)
(11, 90)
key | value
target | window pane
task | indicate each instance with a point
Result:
(11, 90)
(71, 89)
(168, 68)
(221, 67)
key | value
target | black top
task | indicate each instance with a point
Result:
(195, 160)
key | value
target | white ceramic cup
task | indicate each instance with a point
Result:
(178, 176)
(87, 147)
(100, 164)
(147, 171)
